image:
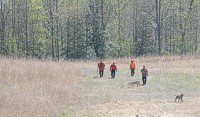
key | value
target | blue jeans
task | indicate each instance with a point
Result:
(112, 74)
(101, 73)
(144, 79)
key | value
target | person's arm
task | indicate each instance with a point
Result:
(147, 72)
(98, 67)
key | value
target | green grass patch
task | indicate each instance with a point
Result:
(66, 112)
(176, 76)
(88, 78)
(195, 83)
(198, 77)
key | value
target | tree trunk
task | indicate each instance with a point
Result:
(182, 29)
(158, 7)
(27, 48)
(68, 37)
(57, 31)
(3, 24)
(52, 29)
(119, 27)
(13, 18)
(135, 29)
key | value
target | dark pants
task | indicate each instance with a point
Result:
(144, 80)
(132, 71)
(101, 73)
(112, 74)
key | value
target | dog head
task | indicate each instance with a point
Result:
(181, 95)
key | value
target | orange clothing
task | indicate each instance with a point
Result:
(144, 71)
(132, 65)
(113, 67)
(101, 66)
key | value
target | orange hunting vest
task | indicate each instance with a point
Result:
(132, 65)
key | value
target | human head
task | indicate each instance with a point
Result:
(113, 63)
(143, 66)
(100, 61)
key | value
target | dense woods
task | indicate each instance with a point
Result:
(85, 29)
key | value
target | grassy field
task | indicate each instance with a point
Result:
(37, 88)
(168, 76)
(72, 89)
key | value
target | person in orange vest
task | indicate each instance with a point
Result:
(101, 67)
(144, 73)
(132, 67)
(113, 68)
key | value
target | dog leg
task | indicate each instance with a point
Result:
(175, 100)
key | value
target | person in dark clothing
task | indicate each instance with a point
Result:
(101, 67)
(144, 73)
(113, 69)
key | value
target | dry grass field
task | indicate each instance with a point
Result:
(37, 88)
(72, 89)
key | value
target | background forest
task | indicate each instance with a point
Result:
(87, 29)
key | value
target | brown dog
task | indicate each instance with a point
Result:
(179, 97)
(131, 84)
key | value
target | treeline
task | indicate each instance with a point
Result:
(85, 29)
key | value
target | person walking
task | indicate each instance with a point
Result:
(144, 73)
(113, 69)
(101, 67)
(132, 67)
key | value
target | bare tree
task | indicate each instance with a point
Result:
(158, 7)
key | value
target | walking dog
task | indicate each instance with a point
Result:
(132, 84)
(179, 98)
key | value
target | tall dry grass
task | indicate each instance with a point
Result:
(37, 88)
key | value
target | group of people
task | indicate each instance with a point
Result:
(113, 69)
(101, 67)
